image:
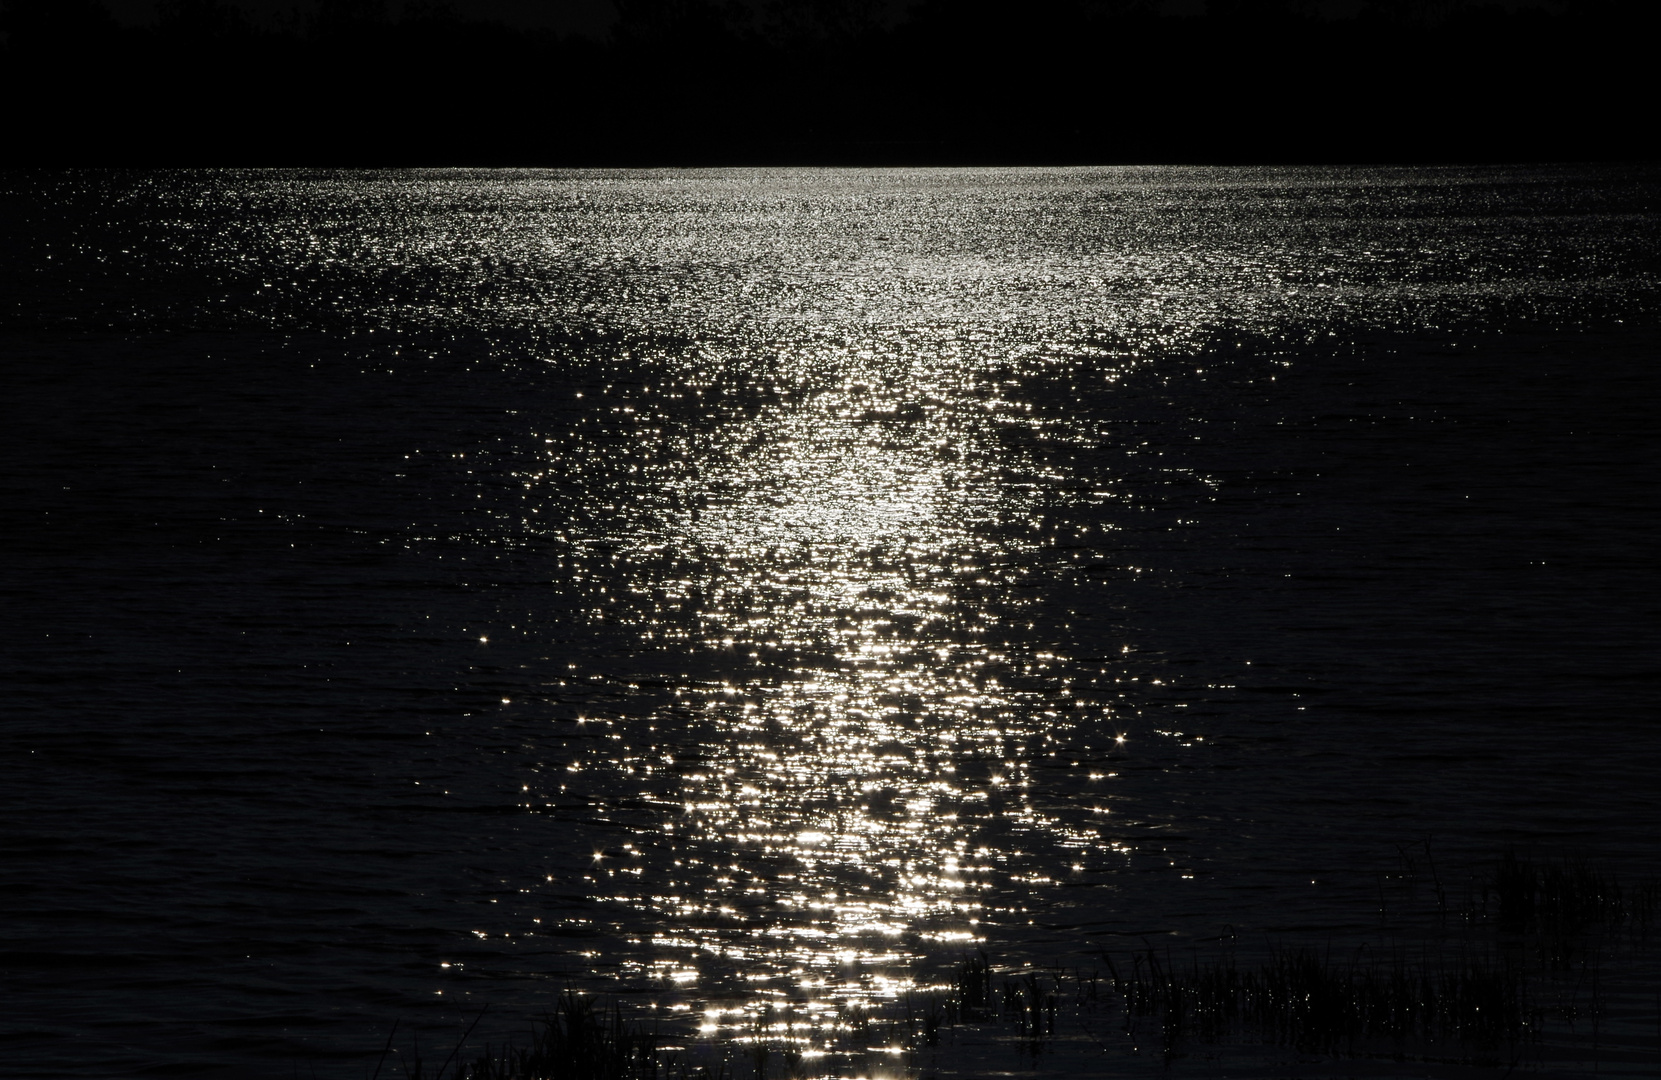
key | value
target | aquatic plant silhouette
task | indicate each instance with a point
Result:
(1528, 953)
(1305, 999)
(578, 1040)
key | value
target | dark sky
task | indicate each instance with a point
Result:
(594, 18)
(819, 82)
(591, 18)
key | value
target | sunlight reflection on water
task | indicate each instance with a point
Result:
(828, 833)
(747, 592)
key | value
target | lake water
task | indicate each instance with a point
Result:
(745, 593)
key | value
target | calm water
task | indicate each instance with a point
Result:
(746, 592)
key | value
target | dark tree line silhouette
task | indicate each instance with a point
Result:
(831, 81)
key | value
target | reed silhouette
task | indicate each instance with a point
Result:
(1494, 975)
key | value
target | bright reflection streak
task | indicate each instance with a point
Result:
(841, 541)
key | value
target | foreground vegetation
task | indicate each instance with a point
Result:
(1497, 974)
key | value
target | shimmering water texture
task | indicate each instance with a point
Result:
(749, 593)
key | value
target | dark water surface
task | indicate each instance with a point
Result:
(747, 591)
